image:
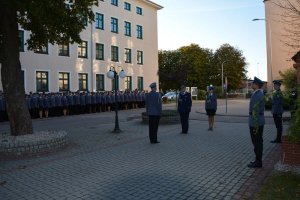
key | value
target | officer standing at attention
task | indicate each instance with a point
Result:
(257, 121)
(184, 108)
(211, 107)
(277, 110)
(153, 109)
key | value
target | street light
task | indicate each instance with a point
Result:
(112, 74)
(222, 86)
(270, 45)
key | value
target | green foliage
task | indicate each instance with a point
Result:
(280, 186)
(198, 67)
(294, 129)
(289, 79)
(52, 21)
(201, 94)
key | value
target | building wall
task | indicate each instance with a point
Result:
(53, 63)
(276, 38)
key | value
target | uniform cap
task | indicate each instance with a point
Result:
(152, 85)
(258, 81)
(277, 82)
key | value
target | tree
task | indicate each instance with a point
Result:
(289, 79)
(49, 21)
(234, 68)
(171, 71)
(290, 18)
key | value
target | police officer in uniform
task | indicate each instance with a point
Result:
(153, 109)
(277, 110)
(257, 121)
(184, 108)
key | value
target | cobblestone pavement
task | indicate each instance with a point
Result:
(102, 165)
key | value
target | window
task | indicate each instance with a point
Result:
(114, 25)
(82, 50)
(64, 81)
(21, 41)
(82, 82)
(114, 53)
(42, 81)
(84, 21)
(99, 21)
(100, 82)
(139, 32)
(140, 83)
(140, 59)
(127, 6)
(127, 28)
(127, 55)
(128, 83)
(63, 49)
(99, 51)
(114, 2)
(139, 10)
(42, 50)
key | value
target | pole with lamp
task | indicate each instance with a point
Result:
(113, 74)
(270, 45)
(222, 86)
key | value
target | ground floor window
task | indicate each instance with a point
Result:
(115, 82)
(42, 81)
(64, 81)
(100, 82)
(140, 83)
(128, 83)
(82, 81)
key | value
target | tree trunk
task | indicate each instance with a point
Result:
(18, 113)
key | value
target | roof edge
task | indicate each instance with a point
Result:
(154, 4)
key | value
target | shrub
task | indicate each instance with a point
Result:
(294, 129)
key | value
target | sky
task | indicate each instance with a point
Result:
(211, 23)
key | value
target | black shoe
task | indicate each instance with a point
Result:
(183, 132)
(255, 165)
(155, 142)
(275, 141)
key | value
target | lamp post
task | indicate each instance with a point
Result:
(222, 86)
(112, 74)
(270, 45)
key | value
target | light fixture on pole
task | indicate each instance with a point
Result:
(113, 74)
(222, 86)
(270, 45)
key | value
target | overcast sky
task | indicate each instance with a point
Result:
(213, 23)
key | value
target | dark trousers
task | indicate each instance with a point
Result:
(257, 141)
(153, 127)
(278, 122)
(184, 118)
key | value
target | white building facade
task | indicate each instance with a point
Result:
(123, 36)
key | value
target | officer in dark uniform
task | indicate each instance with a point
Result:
(257, 121)
(211, 106)
(184, 108)
(277, 110)
(153, 109)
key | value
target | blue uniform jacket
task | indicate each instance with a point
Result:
(153, 104)
(211, 101)
(277, 101)
(184, 102)
(257, 109)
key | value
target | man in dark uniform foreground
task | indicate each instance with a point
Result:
(257, 121)
(153, 109)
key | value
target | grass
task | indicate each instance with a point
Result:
(280, 186)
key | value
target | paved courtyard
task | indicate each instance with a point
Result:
(99, 164)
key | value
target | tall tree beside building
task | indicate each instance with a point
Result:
(49, 21)
(234, 66)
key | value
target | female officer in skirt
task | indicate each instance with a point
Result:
(210, 106)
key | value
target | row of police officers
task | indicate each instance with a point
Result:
(71, 103)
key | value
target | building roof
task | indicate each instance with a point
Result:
(153, 4)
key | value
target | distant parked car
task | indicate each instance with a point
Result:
(169, 96)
